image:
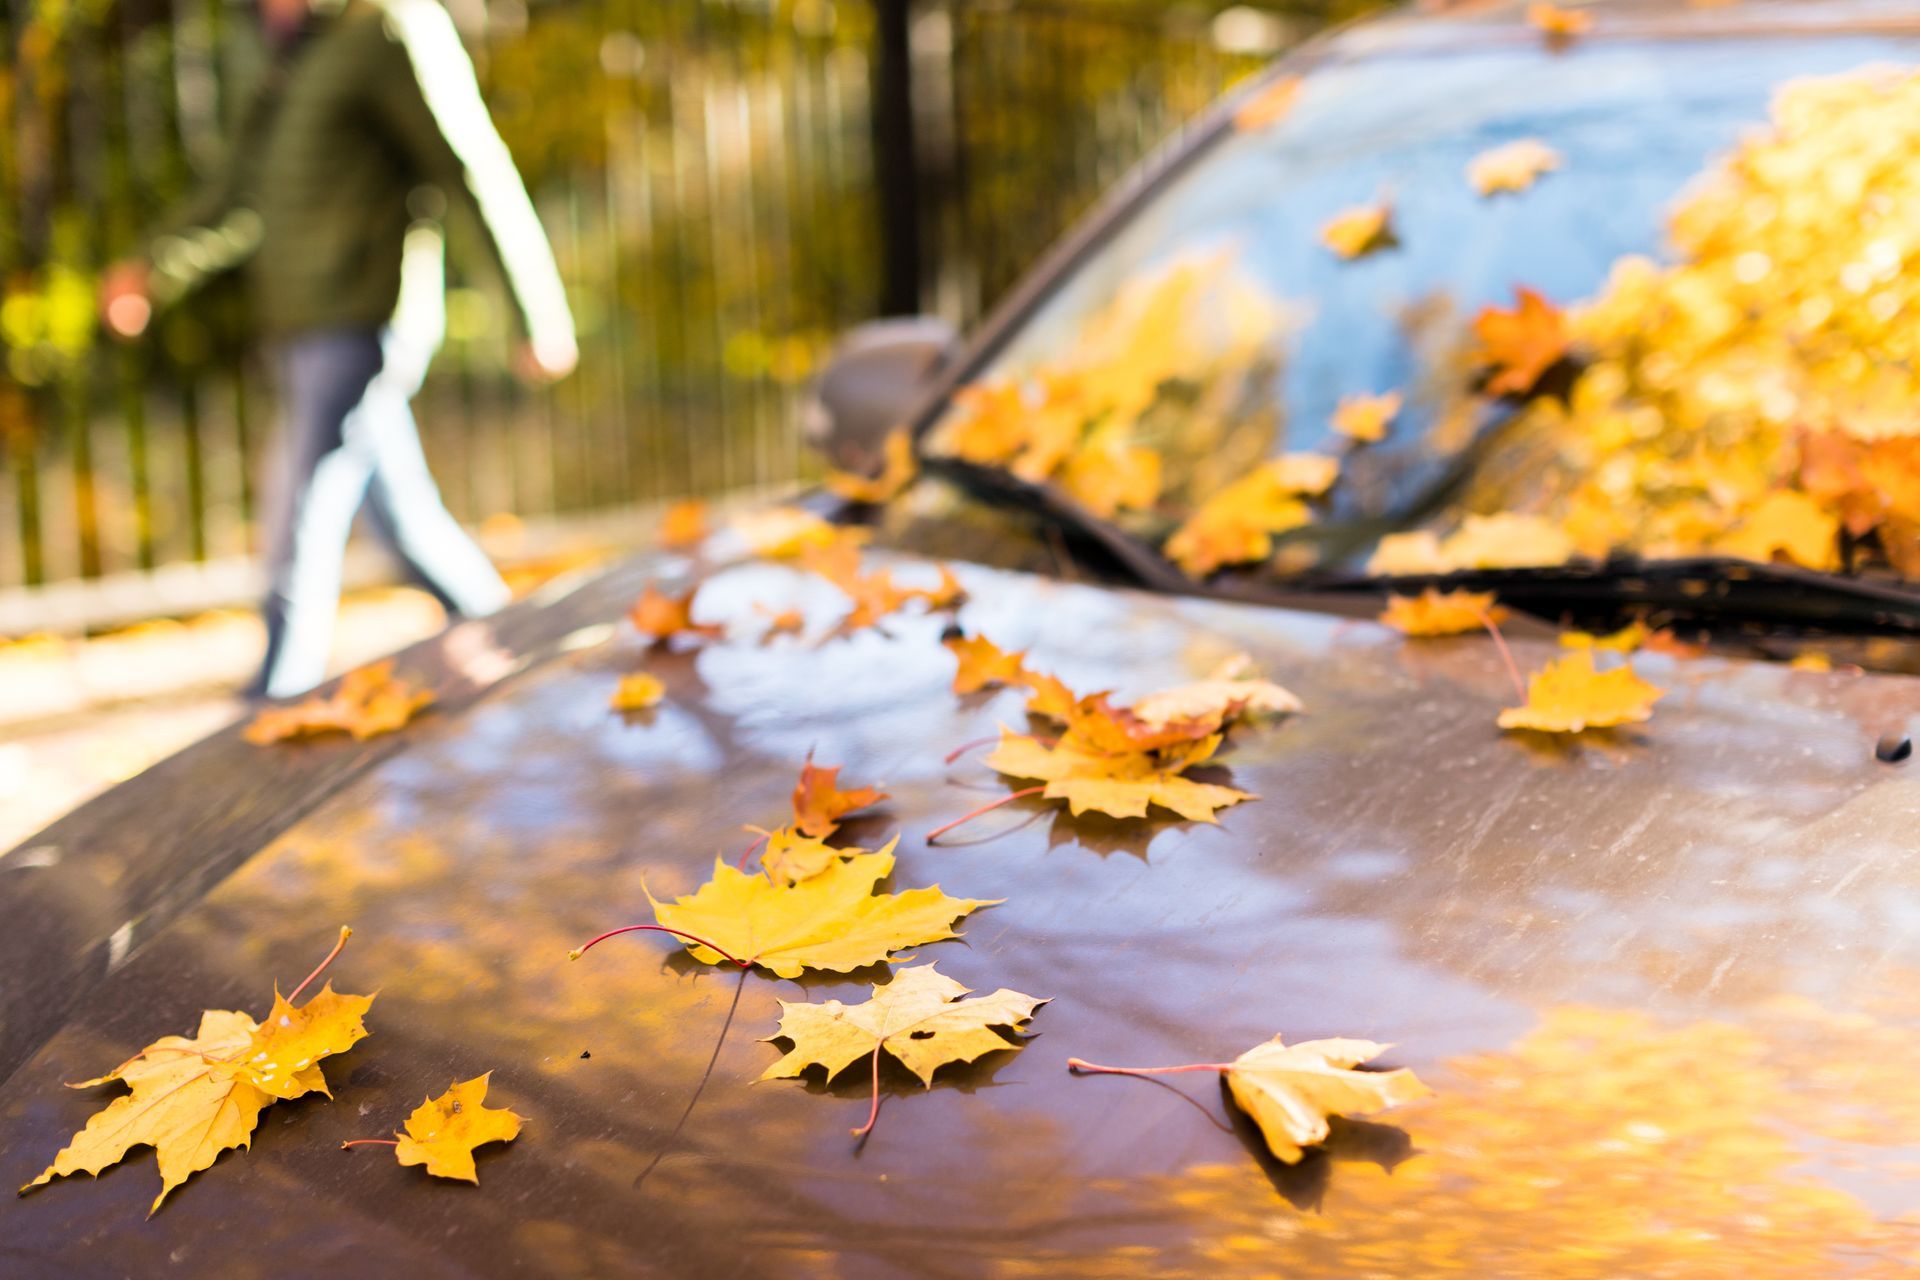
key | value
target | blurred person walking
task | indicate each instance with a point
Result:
(368, 120)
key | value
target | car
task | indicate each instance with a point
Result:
(1658, 978)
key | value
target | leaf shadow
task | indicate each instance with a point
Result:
(1304, 1183)
(1098, 833)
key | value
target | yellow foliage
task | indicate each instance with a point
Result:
(1359, 231)
(638, 691)
(442, 1132)
(1442, 613)
(1513, 166)
(1570, 696)
(1364, 419)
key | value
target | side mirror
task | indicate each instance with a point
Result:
(872, 381)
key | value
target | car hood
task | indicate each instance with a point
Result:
(1661, 980)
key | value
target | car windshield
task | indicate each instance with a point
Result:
(1497, 304)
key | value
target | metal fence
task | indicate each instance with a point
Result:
(725, 190)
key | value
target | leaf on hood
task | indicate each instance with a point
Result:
(683, 525)
(638, 691)
(898, 469)
(918, 1017)
(1570, 695)
(369, 701)
(442, 1132)
(790, 857)
(1364, 419)
(1625, 640)
(1268, 106)
(1517, 347)
(984, 664)
(1231, 691)
(1513, 166)
(663, 617)
(1558, 25)
(833, 921)
(194, 1097)
(1359, 231)
(819, 803)
(1442, 613)
(1118, 785)
(784, 533)
(1290, 1090)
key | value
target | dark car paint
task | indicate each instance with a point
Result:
(1408, 873)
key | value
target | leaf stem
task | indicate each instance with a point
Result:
(1094, 1068)
(320, 968)
(577, 952)
(370, 1142)
(1009, 798)
(1506, 654)
(742, 864)
(873, 1112)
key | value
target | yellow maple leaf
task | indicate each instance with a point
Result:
(1290, 1090)
(897, 470)
(791, 857)
(1520, 345)
(1229, 691)
(1359, 231)
(683, 524)
(1508, 540)
(1441, 613)
(783, 533)
(1558, 25)
(1625, 640)
(638, 691)
(442, 1132)
(192, 1098)
(1267, 105)
(1050, 697)
(833, 921)
(1786, 523)
(368, 702)
(1110, 476)
(1570, 695)
(1408, 555)
(919, 1018)
(1120, 785)
(1513, 166)
(1237, 524)
(1364, 418)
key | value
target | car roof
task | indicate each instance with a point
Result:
(1568, 942)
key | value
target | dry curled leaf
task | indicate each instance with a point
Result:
(1512, 166)
(663, 617)
(1364, 419)
(683, 525)
(1570, 696)
(918, 1017)
(1359, 231)
(1290, 1090)
(638, 691)
(1517, 347)
(832, 921)
(194, 1097)
(819, 803)
(1231, 690)
(442, 1132)
(1442, 613)
(369, 701)
(897, 470)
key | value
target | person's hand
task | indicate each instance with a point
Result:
(126, 302)
(546, 362)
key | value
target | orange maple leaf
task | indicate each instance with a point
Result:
(898, 469)
(1268, 105)
(663, 616)
(684, 525)
(984, 664)
(1519, 346)
(819, 803)
(1558, 25)
(369, 701)
(1364, 419)
(1442, 613)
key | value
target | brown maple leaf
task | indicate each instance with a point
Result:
(663, 617)
(1517, 347)
(819, 803)
(369, 701)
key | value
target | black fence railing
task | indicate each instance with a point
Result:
(725, 190)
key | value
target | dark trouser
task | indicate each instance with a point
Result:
(349, 437)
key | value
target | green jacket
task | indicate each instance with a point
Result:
(355, 128)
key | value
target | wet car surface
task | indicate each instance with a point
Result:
(1661, 979)
(1668, 968)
